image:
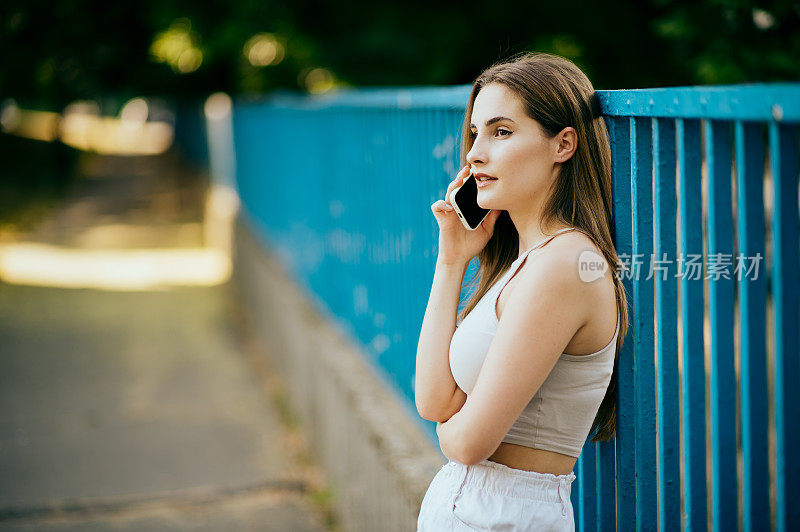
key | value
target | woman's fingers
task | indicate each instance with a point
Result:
(441, 206)
(464, 172)
(450, 188)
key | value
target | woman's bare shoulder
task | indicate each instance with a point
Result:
(577, 248)
(577, 253)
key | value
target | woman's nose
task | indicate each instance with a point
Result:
(476, 154)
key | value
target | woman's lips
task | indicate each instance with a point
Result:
(483, 180)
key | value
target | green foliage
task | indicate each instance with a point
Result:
(58, 52)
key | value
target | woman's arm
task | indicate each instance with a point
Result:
(449, 440)
(440, 428)
(435, 391)
(548, 305)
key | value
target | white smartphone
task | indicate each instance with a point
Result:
(464, 200)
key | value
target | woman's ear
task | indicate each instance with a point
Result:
(567, 143)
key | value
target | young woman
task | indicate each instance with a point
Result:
(527, 371)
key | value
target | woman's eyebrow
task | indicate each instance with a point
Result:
(493, 120)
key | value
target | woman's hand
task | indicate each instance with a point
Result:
(457, 244)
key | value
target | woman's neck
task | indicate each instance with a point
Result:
(531, 230)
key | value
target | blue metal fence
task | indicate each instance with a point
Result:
(340, 188)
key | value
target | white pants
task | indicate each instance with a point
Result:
(493, 496)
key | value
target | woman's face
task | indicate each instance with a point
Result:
(513, 149)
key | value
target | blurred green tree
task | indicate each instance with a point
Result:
(56, 52)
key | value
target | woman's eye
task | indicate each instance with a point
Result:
(499, 130)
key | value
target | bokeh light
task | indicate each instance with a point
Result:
(37, 125)
(217, 106)
(178, 47)
(263, 49)
(317, 80)
(134, 112)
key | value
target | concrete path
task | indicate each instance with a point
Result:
(139, 410)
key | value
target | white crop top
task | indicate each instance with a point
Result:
(560, 415)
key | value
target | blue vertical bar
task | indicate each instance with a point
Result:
(783, 140)
(606, 451)
(367, 124)
(339, 306)
(724, 513)
(410, 131)
(397, 152)
(668, 399)
(752, 324)
(691, 291)
(626, 401)
(384, 124)
(643, 333)
(576, 496)
(606, 507)
(588, 487)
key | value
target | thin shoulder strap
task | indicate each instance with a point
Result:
(543, 242)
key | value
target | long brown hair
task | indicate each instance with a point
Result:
(557, 94)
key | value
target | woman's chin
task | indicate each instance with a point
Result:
(486, 203)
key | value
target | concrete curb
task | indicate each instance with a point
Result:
(378, 460)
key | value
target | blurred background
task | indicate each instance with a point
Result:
(131, 392)
(85, 60)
